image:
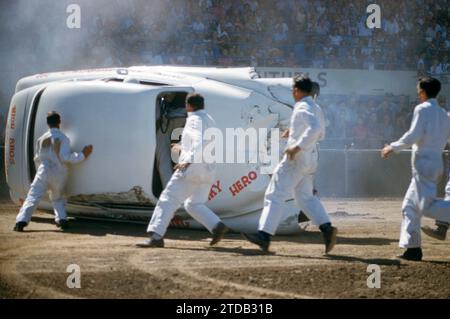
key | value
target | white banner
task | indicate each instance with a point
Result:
(370, 82)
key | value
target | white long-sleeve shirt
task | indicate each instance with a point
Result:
(192, 142)
(307, 124)
(54, 147)
(429, 131)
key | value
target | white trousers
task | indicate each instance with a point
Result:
(190, 187)
(420, 199)
(292, 177)
(46, 179)
(447, 197)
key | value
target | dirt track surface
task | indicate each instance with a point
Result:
(33, 264)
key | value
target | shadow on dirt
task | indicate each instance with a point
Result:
(106, 227)
(369, 261)
(316, 238)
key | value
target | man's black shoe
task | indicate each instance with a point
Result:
(218, 233)
(329, 238)
(439, 233)
(412, 254)
(63, 224)
(20, 226)
(151, 243)
(259, 239)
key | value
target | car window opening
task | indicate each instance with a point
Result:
(170, 118)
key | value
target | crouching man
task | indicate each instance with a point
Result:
(51, 159)
(190, 183)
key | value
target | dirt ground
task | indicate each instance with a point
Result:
(33, 264)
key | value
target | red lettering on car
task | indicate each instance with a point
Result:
(215, 190)
(12, 119)
(242, 183)
(12, 151)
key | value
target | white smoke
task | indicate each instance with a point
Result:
(35, 38)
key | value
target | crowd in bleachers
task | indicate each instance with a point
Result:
(288, 33)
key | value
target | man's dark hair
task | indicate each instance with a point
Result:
(303, 83)
(315, 92)
(53, 119)
(196, 101)
(430, 85)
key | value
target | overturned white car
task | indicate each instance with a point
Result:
(117, 111)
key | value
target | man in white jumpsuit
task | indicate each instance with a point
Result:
(428, 135)
(295, 173)
(51, 159)
(190, 183)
